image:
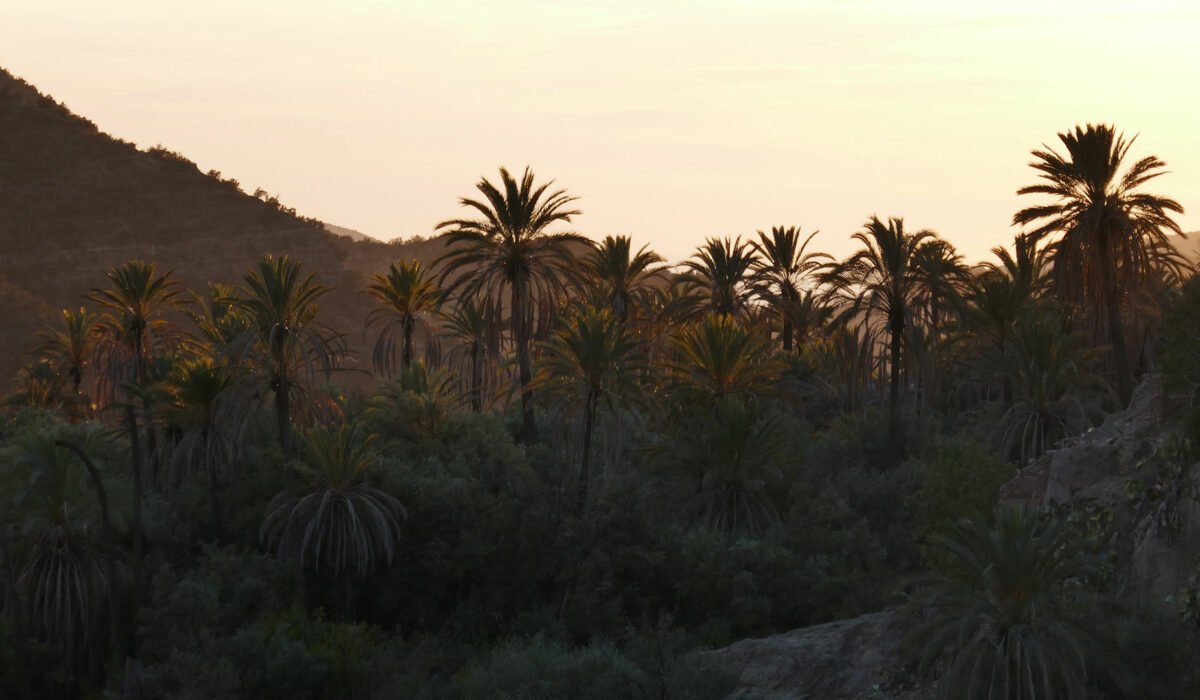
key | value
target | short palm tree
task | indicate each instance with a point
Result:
(510, 247)
(1011, 619)
(1043, 366)
(207, 425)
(1107, 237)
(71, 349)
(592, 359)
(719, 358)
(343, 525)
(780, 270)
(407, 299)
(882, 279)
(620, 275)
(285, 346)
(736, 453)
(722, 268)
(474, 328)
(66, 582)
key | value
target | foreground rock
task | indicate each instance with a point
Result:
(843, 660)
(1134, 476)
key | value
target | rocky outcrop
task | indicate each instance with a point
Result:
(1133, 473)
(843, 660)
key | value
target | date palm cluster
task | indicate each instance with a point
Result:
(521, 311)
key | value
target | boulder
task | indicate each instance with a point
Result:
(843, 660)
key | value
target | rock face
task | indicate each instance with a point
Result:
(843, 660)
(1129, 470)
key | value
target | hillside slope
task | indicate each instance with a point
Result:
(74, 202)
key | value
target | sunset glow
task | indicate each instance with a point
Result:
(672, 121)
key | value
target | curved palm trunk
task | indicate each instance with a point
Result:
(895, 429)
(114, 605)
(521, 332)
(589, 426)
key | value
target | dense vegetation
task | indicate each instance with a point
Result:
(574, 465)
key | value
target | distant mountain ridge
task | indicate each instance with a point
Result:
(75, 202)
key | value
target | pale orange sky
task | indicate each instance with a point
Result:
(672, 120)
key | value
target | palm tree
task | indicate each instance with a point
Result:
(343, 524)
(736, 453)
(620, 275)
(207, 425)
(285, 344)
(1043, 367)
(407, 299)
(779, 273)
(67, 580)
(132, 331)
(719, 358)
(219, 320)
(882, 279)
(1109, 238)
(474, 327)
(510, 247)
(71, 349)
(807, 313)
(1011, 621)
(722, 269)
(592, 359)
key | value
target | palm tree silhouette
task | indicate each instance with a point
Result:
(407, 299)
(510, 247)
(1106, 236)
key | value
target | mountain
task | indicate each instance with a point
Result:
(74, 202)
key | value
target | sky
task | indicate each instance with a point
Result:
(672, 121)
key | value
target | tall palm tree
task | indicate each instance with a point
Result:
(592, 359)
(620, 275)
(511, 247)
(407, 298)
(1010, 620)
(882, 279)
(285, 344)
(132, 332)
(1107, 237)
(71, 349)
(779, 273)
(343, 524)
(722, 269)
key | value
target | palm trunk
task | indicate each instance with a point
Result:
(283, 407)
(477, 377)
(1116, 331)
(895, 429)
(520, 326)
(408, 343)
(214, 497)
(787, 334)
(135, 459)
(114, 605)
(589, 425)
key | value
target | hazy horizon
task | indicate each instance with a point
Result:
(672, 123)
